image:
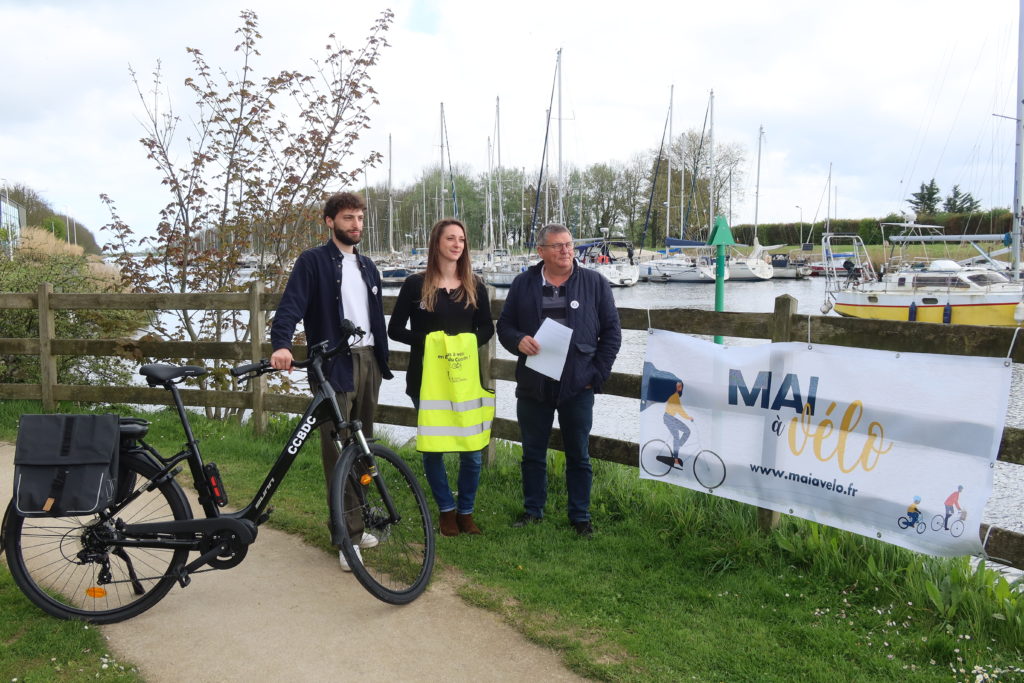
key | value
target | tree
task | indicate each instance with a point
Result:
(960, 202)
(39, 213)
(250, 175)
(926, 201)
(41, 257)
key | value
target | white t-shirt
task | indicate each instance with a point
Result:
(355, 299)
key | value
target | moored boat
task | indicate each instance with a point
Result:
(917, 288)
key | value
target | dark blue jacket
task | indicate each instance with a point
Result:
(313, 295)
(592, 315)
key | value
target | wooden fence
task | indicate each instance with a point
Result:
(784, 324)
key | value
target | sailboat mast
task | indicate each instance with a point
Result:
(757, 185)
(668, 180)
(391, 203)
(1018, 161)
(561, 182)
(711, 165)
(489, 237)
(440, 177)
(501, 210)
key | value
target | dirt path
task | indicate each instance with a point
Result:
(288, 612)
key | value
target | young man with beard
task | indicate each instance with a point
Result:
(331, 283)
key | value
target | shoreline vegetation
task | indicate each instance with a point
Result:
(674, 584)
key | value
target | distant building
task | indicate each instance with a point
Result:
(12, 220)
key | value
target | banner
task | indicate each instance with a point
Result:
(895, 446)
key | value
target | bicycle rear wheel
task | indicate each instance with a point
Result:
(656, 458)
(68, 567)
(386, 500)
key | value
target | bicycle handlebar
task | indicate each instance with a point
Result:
(317, 352)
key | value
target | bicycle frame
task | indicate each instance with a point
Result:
(322, 408)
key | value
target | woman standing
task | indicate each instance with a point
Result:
(449, 298)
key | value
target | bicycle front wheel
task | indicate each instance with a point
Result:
(956, 528)
(380, 496)
(69, 567)
(708, 469)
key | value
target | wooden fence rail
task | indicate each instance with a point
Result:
(784, 324)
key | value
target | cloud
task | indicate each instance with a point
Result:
(890, 94)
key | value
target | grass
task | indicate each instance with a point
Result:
(36, 647)
(674, 585)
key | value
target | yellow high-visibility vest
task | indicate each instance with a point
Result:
(455, 412)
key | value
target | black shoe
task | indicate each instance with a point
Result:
(584, 529)
(526, 519)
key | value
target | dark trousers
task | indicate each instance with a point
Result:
(575, 419)
(358, 404)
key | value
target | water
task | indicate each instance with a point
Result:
(1006, 506)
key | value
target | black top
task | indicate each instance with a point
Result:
(313, 295)
(454, 317)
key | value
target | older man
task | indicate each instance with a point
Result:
(560, 289)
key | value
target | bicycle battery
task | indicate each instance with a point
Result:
(216, 487)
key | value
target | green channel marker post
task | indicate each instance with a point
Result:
(721, 237)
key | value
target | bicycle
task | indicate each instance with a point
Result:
(905, 523)
(956, 526)
(116, 564)
(658, 459)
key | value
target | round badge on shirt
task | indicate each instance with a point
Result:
(574, 304)
(375, 290)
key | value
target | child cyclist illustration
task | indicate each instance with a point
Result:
(913, 513)
(674, 416)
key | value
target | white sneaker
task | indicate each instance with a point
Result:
(367, 541)
(344, 563)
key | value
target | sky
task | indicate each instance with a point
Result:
(878, 95)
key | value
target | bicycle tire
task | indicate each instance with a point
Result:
(56, 561)
(903, 522)
(649, 458)
(708, 469)
(956, 528)
(397, 569)
(938, 522)
(921, 527)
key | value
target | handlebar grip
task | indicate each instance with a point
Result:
(249, 367)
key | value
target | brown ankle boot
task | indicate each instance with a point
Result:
(448, 525)
(466, 524)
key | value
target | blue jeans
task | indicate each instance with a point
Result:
(437, 478)
(469, 480)
(575, 418)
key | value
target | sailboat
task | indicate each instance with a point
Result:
(755, 266)
(689, 261)
(917, 287)
(926, 289)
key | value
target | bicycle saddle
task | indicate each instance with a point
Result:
(158, 373)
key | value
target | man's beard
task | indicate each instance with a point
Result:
(344, 238)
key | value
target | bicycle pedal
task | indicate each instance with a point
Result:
(265, 516)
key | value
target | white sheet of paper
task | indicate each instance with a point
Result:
(554, 339)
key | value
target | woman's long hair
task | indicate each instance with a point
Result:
(463, 268)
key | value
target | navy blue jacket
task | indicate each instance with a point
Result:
(313, 295)
(592, 315)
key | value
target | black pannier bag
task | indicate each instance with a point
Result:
(65, 464)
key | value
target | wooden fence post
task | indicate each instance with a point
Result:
(487, 377)
(257, 328)
(47, 361)
(782, 330)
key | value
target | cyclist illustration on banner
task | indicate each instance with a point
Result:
(657, 458)
(912, 519)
